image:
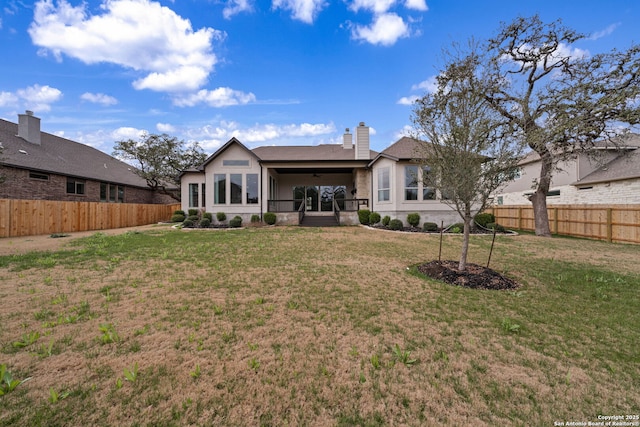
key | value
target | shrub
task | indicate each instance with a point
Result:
(494, 225)
(430, 226)
(188, 223)
(236, 222)
(221, 216)
(179, 212)
(208, 215)
(255, 218)
(386, 220)
(363, 216)
(413, 219)
(396, 224)
(193, 212)
(269, 218)
(205, 223)
(456, 228)
(485, 218)
(374, 218)
(194, 218)
(177, 217)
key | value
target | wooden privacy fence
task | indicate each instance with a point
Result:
(613, 223)
(33, 217)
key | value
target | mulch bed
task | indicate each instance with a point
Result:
(475, 276)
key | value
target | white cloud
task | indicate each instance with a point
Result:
(376, 6)
(8, 99)
(302, 10)
(603, 33)
(99, 98)
(408, 100)
(124, 133)
(165, 128)
(220, 97)
(36, 98)
(430, 85)
(385, 30)
(236, 6)
(139, 34)
(213, 136)
(420, 5)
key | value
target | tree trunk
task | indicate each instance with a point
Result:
(539, 198)
(462, 265)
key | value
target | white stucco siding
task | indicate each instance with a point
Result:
(191, 178)
(239, 162)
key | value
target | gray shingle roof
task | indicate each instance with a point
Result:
(625, 166)
(329, 152)
(403, 149)
(65, 157)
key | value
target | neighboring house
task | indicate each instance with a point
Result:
(299, 183)
(611, 178)
(41, 166)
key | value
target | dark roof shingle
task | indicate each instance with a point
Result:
(65, 157)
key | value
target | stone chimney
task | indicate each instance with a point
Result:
(29, 127)
(347, 140)
(362, 142)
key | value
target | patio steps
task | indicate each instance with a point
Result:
(319, 221)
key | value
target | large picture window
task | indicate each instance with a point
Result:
(411, 182)
(252, 188)
(236, 188)
(193, 195)
(219, 189)
(383, 185)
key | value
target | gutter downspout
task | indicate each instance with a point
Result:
(261, 193)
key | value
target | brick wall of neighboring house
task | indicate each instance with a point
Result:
(611, 193)
(18, 185)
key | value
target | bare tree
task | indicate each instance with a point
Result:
(466, 149)
(562, 102)
(160, 159)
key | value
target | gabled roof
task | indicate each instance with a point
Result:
(219, 151)
(405, 148)
(625, 166)
(326, 152)
(64, 157)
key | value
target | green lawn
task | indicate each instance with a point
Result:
(298, 326)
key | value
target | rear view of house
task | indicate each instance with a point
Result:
(302, 183)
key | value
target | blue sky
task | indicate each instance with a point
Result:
(280, 72)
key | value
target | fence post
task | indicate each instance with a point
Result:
(520, 219)
(555, 220)
(609, 225)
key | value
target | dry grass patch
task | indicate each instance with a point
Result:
(273, 326)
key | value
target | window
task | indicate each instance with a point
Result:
(203, 193)
(193, 195)
(235, 163)
(219, 189)
(40, 176)
(252, 188)
(75, 186)
(111, 193)
(428, 193)
(383, 185)
(411, 182)
(236, 188)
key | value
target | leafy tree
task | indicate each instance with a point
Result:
(466, 149)
(160, 159)
(561, 102)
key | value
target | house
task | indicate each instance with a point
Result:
(302, 183)
(613, 177)
(38, 165)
